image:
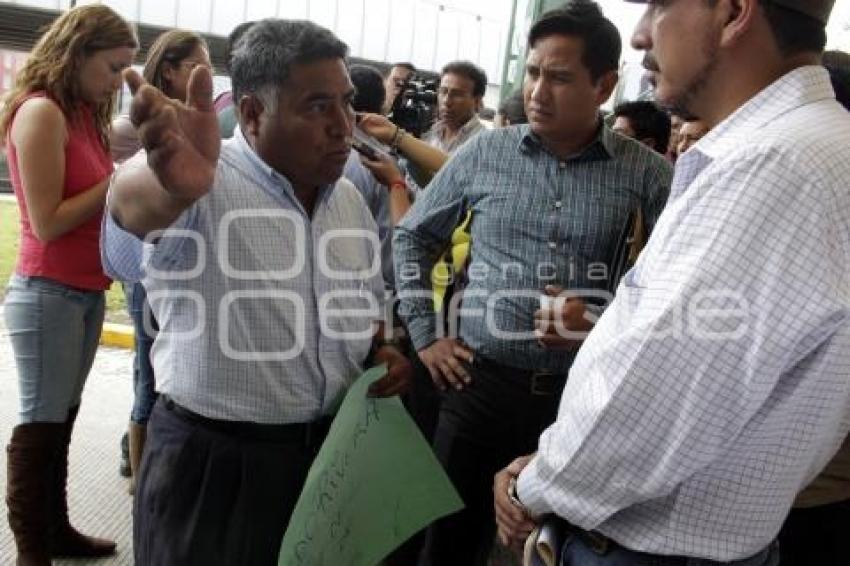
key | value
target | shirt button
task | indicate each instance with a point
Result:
(558, 204)
(553, 246)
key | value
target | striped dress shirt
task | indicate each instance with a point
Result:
(265, 313)
(536, 220)
(717, 384)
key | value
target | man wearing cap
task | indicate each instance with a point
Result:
(715, 386)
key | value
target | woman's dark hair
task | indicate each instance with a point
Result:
(171, 47)
(370, 91)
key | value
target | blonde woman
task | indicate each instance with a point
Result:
(55, 125)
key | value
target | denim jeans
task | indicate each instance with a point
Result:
(577, 553)
(144, 326)
(54, 330)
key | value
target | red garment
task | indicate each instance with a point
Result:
(73, 258)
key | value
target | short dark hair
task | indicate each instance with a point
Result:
(404, 65)
(263, 58)
(513, 108)
(370, 91)
(648, 121)
(471, 71)
(838, 65)
(583, 19)
(232, 39)
(793, 31)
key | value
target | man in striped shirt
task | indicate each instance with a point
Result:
(550, 201)
(715, 386)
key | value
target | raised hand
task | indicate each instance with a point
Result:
(182, 140)
(377, 126)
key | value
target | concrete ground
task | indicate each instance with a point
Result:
(98, 498)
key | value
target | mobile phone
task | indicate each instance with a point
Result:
(365, 150)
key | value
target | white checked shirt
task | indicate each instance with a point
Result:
(717, 383)
(265, 314)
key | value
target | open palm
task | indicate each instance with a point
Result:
(182, 140)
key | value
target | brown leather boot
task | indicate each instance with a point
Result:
(66, 541)
(29, 456)
(136, 434)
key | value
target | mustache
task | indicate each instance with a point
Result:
(650, 63)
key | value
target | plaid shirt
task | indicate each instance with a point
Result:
(435, 135)
(716, 384)
(536, 220)
(256, 301)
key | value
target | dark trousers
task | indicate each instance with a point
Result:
(816, 535)
(207, 496)
(480, 430)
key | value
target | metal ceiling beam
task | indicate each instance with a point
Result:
(21, 26)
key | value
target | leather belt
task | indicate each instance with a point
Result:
(541, 382)
(309, 434)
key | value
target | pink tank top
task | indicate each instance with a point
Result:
(73, 258)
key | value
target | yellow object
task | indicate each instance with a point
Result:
(117, 336)
(444, 272)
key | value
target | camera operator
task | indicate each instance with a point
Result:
(394, 83)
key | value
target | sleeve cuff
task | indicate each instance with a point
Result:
(422, 331)
(530, 489)
(121, 252)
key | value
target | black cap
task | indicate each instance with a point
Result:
(816, 9)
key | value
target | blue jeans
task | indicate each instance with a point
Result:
(54, 330)
(144, 393)
(577, 553)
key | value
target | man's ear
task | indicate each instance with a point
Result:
(738, 17)
(479, 104)
(250, 109)
(605, 86)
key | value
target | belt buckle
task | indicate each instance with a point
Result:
(542, 382)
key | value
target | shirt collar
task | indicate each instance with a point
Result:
(802, 86)
(267, 172)
(439, 128)
(255, 160)
(602, 146)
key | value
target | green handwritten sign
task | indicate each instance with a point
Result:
(374, 484)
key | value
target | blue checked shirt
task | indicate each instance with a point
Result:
(536, 220)
(377, 199)
(717, 384)
(265, 314)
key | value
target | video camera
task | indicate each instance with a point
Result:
(414, 109)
